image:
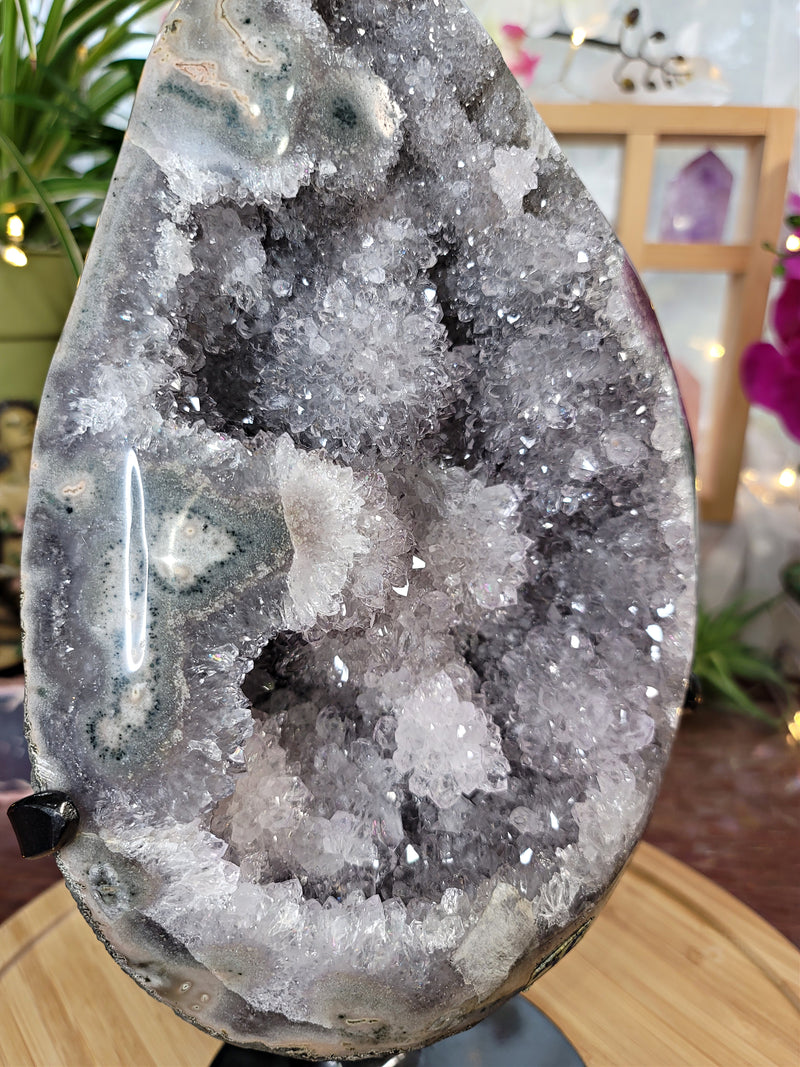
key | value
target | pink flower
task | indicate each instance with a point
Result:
(771, 379)
(791, 266)
(786, 312)
(513, 32)
(521, 62)
(523, 66)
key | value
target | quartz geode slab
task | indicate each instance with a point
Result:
(359, 571)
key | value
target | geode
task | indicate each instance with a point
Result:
(360, 553)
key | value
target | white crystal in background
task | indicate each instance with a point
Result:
(360, 557)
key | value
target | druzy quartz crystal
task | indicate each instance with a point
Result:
(359, 571)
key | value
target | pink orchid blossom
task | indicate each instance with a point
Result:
(513, 32)
(771, 373)
(519, 60)
(771, 379)
(786, 311)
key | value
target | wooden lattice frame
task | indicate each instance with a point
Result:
(766, 134)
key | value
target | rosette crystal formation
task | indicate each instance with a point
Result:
(359, 579)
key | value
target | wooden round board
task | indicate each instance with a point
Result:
(675, 972)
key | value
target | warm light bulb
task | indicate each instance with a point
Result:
(578, 37)
(794, 726)
(15, 228)
(793, 243)
(715, 350)
(787, 478)
(15, 256)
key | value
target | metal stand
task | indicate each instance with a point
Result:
(516, 1035)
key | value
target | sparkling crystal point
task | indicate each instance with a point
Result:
(360, 560)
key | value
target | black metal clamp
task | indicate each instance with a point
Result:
(43, 822)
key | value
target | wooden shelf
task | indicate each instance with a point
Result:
(685, 122)
(699, 258)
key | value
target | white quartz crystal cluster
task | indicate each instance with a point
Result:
(359, 577)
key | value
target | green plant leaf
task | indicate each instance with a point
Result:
(81, 188)
(62, 110)
(116, 37)
(96, 17)
(52, 28)
(723, 659)
(56, 220)
(734, 696)
(8, 72)
(24, 12)
(727, 623)
(83, 9)
(113, 85)
(760, 671)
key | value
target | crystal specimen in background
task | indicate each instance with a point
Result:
(359, 584)
(696, 204)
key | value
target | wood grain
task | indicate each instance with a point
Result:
(670, 121)
(674, 973)
(634, 194)
(65, 1003)
(677, 973)
(695, 258)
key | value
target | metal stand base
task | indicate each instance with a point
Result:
(516, 1035)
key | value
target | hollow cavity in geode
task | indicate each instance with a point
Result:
(359, 572)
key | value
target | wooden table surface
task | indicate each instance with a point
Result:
(675, 972)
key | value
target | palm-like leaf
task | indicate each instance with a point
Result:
(723, 660)
(54, 216)
(65, 78)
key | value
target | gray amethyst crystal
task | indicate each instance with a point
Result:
(359, 571)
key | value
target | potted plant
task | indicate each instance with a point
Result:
(727, 667)
(68, 71)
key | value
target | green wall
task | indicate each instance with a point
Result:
(34, 301)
